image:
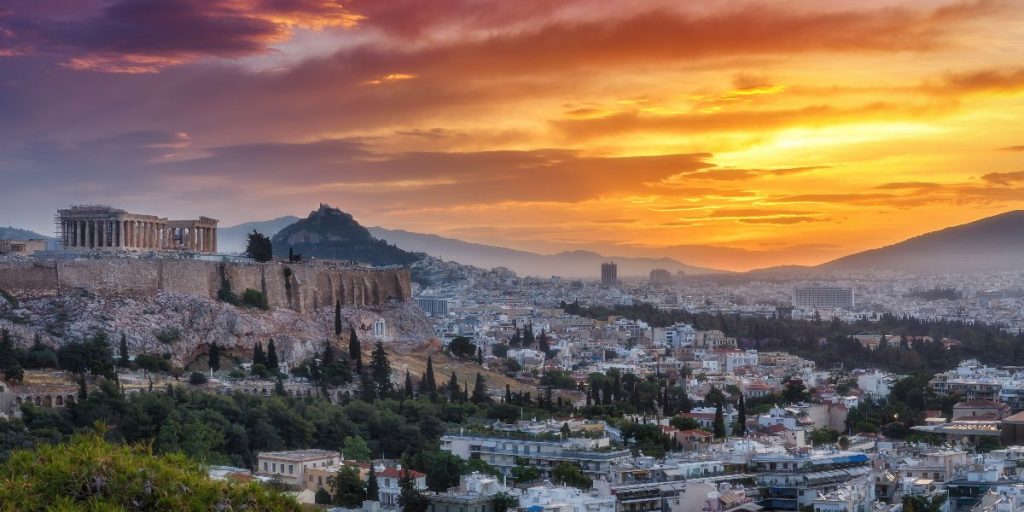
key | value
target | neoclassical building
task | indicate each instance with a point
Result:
(89, 227)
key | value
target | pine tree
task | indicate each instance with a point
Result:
(516, 340)
(83, 392)
(214, 356)
(427, 384)
(272, 357)
(279, 387)
(123, 361)
(408, 384)
(453, 388)
(542, 343)
(337, 317)
(367, 388)
(528, 338)
(328, 357)
(480, 356)
(719, 425)
(372, 487)
(355, 352)
(480, 391)
(258, 357)
(739, 429)
(380, 370)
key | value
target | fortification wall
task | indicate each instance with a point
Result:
(298, 287)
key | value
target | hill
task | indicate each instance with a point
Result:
(331, 233)
(232, 239)
(569, 264)
(990, 244)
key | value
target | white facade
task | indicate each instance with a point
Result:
(565, 499)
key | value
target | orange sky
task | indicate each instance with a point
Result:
(726, 134)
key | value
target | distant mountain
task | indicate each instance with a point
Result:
(12, 233)
(991, 244)
(569, 264)
(234, 238)
(331, 233)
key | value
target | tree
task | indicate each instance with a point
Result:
(427, 384)
(258, 357)
(453, 388)
(14, 373)
(272, 363)
(88, 473)
(197, 379)
(259, 247)
(337, 317)
(542, 343)
(480, 391)
(503, 502)
(570, 474)
(719, 425)
(355, 448)
(739, 428)
(83, 391)
(380, 370)
(355, 352)
(684, 423)
(411, 499)
(565, 431)
(348, 488)
(328, 355)
(462, 347)
(322, 497)
(372, 487)
(123, 352)
(214, 357)
(407, 392)
(795, 391)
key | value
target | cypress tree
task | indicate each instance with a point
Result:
(123, 361)
(272, 357)
(258, 357)
(355, 352)
(480, 356)
(480, 391)
(328, 357)
(83, 392)
(528, 338)
(508, 394)
(453, 388)
(740, 428)
(372, 487)
(428, 385)
(380, 370)
(337, 317)
(214, 357)
(719, 425)
(408, 384)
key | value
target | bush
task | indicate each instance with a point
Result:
(168, 335)
(237, 374)
(197, 379)
(152, 363)
(89, 473)
(254, 298)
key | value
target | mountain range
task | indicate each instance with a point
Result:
(991, 244)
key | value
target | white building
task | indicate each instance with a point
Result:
(290, 466)
(548, 498)
(875, 384)
(739, 359)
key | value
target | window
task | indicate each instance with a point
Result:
(291, 469)
(274, 467)
(264, 466)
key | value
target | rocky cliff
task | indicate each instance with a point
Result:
(170, 306)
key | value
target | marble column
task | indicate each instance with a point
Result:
(213, 238)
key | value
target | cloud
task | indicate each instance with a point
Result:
(132, 36)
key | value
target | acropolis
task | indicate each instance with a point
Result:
(99, 227)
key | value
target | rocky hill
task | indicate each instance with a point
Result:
(330, 233)
(990, 244)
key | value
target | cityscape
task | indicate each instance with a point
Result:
(486, 256)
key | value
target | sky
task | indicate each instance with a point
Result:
(728, 134)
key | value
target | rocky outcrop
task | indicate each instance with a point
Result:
(185, 325)
(300, 287)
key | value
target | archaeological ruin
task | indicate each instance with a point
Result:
(98, 227)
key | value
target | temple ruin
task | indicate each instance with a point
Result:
(99, 227)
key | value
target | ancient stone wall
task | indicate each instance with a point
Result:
(299, 287)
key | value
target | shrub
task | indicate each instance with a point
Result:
(168, 335)
(197, 379)
(152, 363)
(254, 298)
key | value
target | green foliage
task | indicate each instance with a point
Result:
(355, 448)
(89, 474)
(168, 335)
(523, 471)
(410, 499)
(462, 347)
(824, 436)
(570, 474)
(258, 247)
(152, 363)
(683, 423)
(197, 379)
(480, 391)
(348, 487)
(93, 356)
(503, 502)
(558, 380)
(254, 299)
(380, 370)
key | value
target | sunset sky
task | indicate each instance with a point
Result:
(730, 134)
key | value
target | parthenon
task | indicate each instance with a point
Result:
(98, 227)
